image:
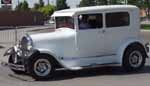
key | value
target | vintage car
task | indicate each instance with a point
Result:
(84, 37)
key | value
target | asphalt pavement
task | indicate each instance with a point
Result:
(104, 76)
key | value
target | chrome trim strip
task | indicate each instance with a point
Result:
(73, 58)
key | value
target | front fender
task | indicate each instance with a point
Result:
(9, 51)
(12, 50)
(123, 47)
(51, 53)
(46, 51)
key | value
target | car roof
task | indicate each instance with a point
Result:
(93, 8)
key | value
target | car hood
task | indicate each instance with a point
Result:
(57, 35)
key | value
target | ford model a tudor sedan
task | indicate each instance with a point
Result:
(84, 38)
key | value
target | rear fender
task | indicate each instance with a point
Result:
(123, 47)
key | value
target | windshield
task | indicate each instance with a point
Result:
(66, 22)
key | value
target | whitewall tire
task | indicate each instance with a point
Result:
(41, 67)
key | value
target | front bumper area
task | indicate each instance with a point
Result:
(13, 66)
(19, 58)
(147, 46)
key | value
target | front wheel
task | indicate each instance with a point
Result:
(134, 58)
(41, 67)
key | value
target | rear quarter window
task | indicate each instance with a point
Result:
(117, 19)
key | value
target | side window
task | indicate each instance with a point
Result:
(117, 19)
(90, 21)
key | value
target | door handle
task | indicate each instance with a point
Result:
(103, 31)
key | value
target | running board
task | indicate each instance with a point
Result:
(93, 66)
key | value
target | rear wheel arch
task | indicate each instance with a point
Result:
(135, 44)
(123, 48)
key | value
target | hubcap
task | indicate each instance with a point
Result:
(42, 67)
(135, 59)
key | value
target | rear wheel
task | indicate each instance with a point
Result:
(41, 67)
(134, 58)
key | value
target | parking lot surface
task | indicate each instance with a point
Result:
(104, 76)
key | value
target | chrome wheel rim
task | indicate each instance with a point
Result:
(42, 67)
(135, 59)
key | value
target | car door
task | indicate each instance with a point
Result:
(116, 30)
(90, 37)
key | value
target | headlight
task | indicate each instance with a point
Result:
(26, 43)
